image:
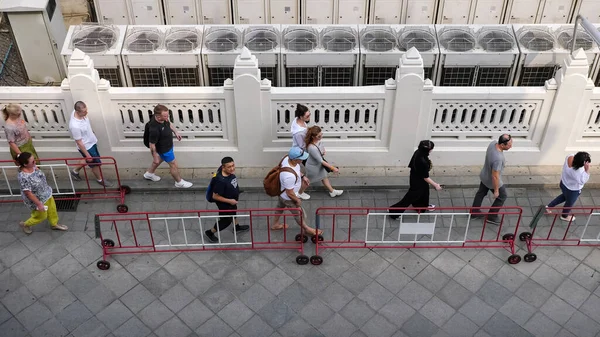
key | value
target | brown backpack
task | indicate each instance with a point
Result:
(272, 183)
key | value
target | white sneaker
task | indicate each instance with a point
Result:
(183, 184)
(151, 176)
(303, 196)
(336, 193)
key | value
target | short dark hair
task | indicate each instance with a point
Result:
(159, 108)
(300, 110)
(23, 158)
(580, 159)
(226, 160)
(504, 139)
(79, 105)
(426, 145)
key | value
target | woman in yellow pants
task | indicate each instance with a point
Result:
(37, 194)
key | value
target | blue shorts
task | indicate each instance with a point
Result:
(168, 156)
(93, 151)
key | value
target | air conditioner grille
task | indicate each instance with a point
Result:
(422, 40)
(182, 41)
(300, 39)
(583, 40)
(338, 39)
(261, 39)
(222, 40)
(496, 41)
(143, 41)
(378, 39)
(457, 40)
(94, 39)
(536, 40)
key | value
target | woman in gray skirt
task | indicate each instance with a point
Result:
(316, 166)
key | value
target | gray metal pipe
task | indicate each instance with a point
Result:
(588, 27)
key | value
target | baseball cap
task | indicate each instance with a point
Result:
(297, 153)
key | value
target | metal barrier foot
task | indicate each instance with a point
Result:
(103, 265)
(529, 257)
(316, 260)
(514, 259)
(302, 237)
(122, 208)
(302, 259)
(314, 239)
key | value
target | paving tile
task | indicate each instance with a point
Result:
(415, 295)
(18, 300)
(276, 281)
(517, 310)
(13, 328)
(337, 326)
(119, 281)
(81, 283)
(214, 327)
(372, 264)
(432, 279)
(298, 326)
(8, 283)
(159, 282)
(448, 263)
(336, 265)
(548, 277)
(34, 315)
(142, 267)
(88, 253)
(454, 294)
(336, 296)
(155, 314)
(296, 296)
(4, 314)
(316, 280)
(572, 293)
(50, 328)
(66, 267)
(437, 311)
(357, 312)
(198, 282)
(257, 265)
(256, 297)
(173, 328)
(13, 253)
(533, 293)
(91, 328)
(419, 326)
(582, 326)
(181, 267)
(217, 266)
(132, 328)
(592, 260)
(591, 307)
(562, 262)
(542, 326)
(397, 312)
(501, 326)
(217, 297)
(393, 279)
(585, 277)
(276, 313)
(509, 278)
(235, 314)
(74, 315)
(559, 310)
(375, 295)
(58, 299)
(114, 315)
(255, 327)
(354, 280)
(137, 298)
(316, 312)
(27, 268)
(459, 326)
(494, 294)
(195, 314)
(470, 278)
(486, 263)
(410, 263)
(98, 298)
(564, 333)
(176, 298)
(477, 311)
(378, 326)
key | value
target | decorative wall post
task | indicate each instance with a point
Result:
(407, 106)
(248, 108)
(86, 86)
(570, 104)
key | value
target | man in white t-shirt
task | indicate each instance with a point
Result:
(291, 184)
(86, 140)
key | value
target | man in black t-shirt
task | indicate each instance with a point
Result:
(226, 193)
(160, 139)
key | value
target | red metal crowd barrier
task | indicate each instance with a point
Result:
(548, 229)
(64, 186)
(446, 227)
(183, 231)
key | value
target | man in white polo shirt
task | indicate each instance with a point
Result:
(86, 140)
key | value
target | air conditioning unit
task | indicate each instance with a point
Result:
(222, 44)
(478, 55)
(454, 12)
(416, 12)
(332, 61)
(590, 9)
(487, 12)
(318, 12)
(423, 38)
(522, 11)
(215, 12)
(264, 42)
(157, 56)
(379, 54)
(113, 12)
(385, 12)
(285, 12)
(545, 47)
(102, 43)
(539, 11)
(555, 11)
(350, 12)
(181, 12)
(147, 12)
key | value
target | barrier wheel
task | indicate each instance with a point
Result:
(302, 237)
(508, 237)
(103, 265)
(525, 236)
(122, 208)
(529, 257)
(302, 259)
(316, 260)
(314, 238)
(514, 259)
(108, 243)
(126, 189)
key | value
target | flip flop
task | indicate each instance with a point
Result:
(280, 227)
